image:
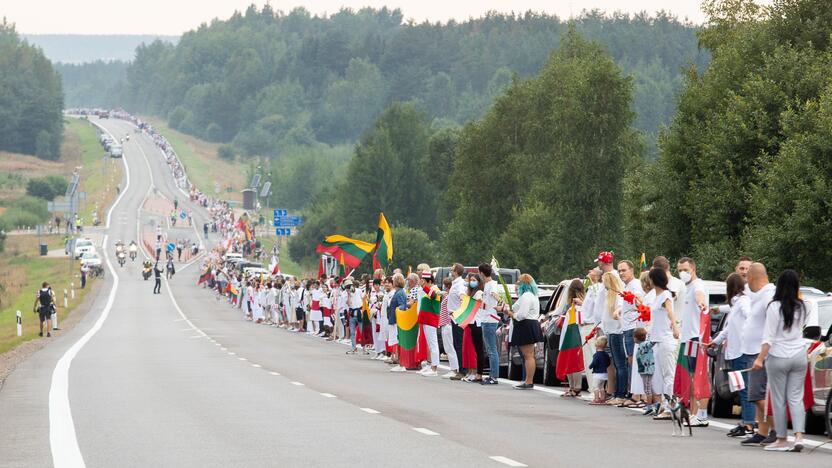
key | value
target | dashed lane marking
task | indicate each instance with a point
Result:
(425, 431)
(274, 373)
(242, 359)
(370, 411)
(299, 384)
(256, 365)
(327, 395)
(507, 461)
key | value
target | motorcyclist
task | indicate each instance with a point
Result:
(120, 252)
(133, 250)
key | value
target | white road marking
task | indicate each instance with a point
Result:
(370, 411)
(242, 359)
(256, 365)
(63, 441)
(274, 373)
(231, 353)
(297, 383)
(424, 431)
(223, 349)
(506, 461)
(327, 395)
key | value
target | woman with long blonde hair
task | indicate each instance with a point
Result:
(612, 326)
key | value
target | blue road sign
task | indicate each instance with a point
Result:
(280, 212)
(283, 232)
(287, 221)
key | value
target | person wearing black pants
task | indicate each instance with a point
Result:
(157, 274)
(476, 337)
(475, 288)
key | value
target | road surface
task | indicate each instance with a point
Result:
(180, 379)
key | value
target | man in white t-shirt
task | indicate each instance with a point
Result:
(695, 304)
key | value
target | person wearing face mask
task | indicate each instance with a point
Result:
(695, 304)
(473, 356)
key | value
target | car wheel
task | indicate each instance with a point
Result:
(515, 371)
(549, 374)
(827, 414)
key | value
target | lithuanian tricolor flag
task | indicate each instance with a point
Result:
(642, 264)
(353, 250)
(429, 308)
(383, 254)
(408, 329)
(342, 267)
(570, 355)
(366, 313)
(467, 311)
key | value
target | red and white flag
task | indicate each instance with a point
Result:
(274, 266)
(692, 348)
(735, 381)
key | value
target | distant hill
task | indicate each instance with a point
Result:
(79, 48)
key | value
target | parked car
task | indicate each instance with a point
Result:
(511, 363)
(91, 259)
(116, 151)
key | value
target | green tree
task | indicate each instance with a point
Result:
(47, 187)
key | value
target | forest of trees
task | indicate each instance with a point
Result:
(265, 80)
(31, 99)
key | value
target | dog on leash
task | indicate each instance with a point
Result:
(679, 415)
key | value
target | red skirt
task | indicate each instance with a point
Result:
(364, 333)
(422, 350)
(469, 353)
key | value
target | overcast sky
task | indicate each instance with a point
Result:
(173, 17)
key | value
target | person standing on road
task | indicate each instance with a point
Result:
(783, 353)
(574, 298)
(664, 334)
(489, 321)
(695, 304)
(45, 306)
(458, 288)
(84, 270)
(629, 323)
(612, 324)
(589, 324)
(731, 336)
(525, 329)
(398, 301)
(428, 322)
(448, 333)
(157, 275)
(762, 293)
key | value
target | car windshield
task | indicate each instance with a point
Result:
(824, 315)
(89, 255)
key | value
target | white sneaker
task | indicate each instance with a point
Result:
(387, 359)
(696, 422)
(430, 373)
(424, 370)
(398, 369)
(448, 375)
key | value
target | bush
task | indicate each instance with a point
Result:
(226, 152)
(25, 211)
(47, 187)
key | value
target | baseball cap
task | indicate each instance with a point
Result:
(604, 257)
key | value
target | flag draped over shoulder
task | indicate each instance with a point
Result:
(570, 356)
(353, 251)
(467, 311)
(406, 321)
(429, 307)
(383, 254)
(701, 379)
(204, 277)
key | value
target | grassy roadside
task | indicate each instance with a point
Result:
(202, 164)
(100, 174)
(287, 265)
(21, 272)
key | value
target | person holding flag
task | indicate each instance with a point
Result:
(489, 321)
(691, 355)
(397, 302)
(570, 362)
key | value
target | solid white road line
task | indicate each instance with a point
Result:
(370, 411)
(297, 383)
(424, 431)
(506, 461)
(327, 395)
(62, 438)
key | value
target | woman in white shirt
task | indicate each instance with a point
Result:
(612, 325)
(731, 336)
(784, 355)
(664, 333)
(525, 328)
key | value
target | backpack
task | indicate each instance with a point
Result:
(45, 297)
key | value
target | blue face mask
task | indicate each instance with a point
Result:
(474, 284)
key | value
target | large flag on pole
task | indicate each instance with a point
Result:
(571, 355)
(353, 250)
(383, 254)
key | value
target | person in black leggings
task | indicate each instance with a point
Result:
(475, 286)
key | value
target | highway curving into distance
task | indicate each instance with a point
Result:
(179, 379)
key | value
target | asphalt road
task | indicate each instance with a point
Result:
(180, 379)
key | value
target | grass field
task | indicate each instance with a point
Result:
(202, 164)
(22, 271)
(287, 265)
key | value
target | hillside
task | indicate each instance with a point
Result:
(80, 48)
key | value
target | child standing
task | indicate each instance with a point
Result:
(600, 363)
(646, 367)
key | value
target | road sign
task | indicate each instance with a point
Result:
(255, 182)
(290, 221)
(59, 207)
(265, 192)
(280, 213)
(283, 232)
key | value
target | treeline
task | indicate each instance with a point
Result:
(93, 84)
(31, 99)
(264, 80)
(556, 169)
